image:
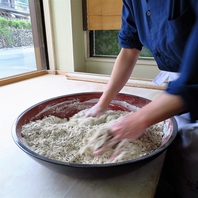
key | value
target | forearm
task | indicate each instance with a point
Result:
(162, 108)
(122, 70)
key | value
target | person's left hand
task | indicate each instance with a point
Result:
(128, 127)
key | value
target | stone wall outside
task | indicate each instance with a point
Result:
(19, 38)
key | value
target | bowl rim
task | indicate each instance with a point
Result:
(33, 154)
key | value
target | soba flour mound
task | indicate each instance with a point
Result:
(67, 140)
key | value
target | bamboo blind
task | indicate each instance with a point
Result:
(104, 14)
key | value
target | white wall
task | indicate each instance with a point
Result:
(144, 68)
(68, 44)
(64, 20)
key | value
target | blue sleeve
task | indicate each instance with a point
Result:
(187, 84)
(128, 36)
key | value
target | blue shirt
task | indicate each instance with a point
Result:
(169, 28)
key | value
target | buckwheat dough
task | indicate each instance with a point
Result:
(69, 140)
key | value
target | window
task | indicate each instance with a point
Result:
(104, 43)
(102, 19)
(22, 38)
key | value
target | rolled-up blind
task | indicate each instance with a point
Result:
(104, 14)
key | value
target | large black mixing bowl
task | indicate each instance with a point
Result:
(68, 105)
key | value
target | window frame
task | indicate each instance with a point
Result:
(39, 34)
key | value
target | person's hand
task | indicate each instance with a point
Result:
(115, 136)
(129, 127)
(133, 125)
(95, 111)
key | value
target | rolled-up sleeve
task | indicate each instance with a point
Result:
(187, 84)
(128, 36)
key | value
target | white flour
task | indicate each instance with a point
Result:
(67, 140)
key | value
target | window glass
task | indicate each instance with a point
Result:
(105, 43)
(17, 40)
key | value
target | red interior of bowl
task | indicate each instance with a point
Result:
(68, 105)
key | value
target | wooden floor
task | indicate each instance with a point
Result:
(22, 177)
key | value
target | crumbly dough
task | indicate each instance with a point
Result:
(68, 140)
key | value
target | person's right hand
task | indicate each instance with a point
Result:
(95, 111)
